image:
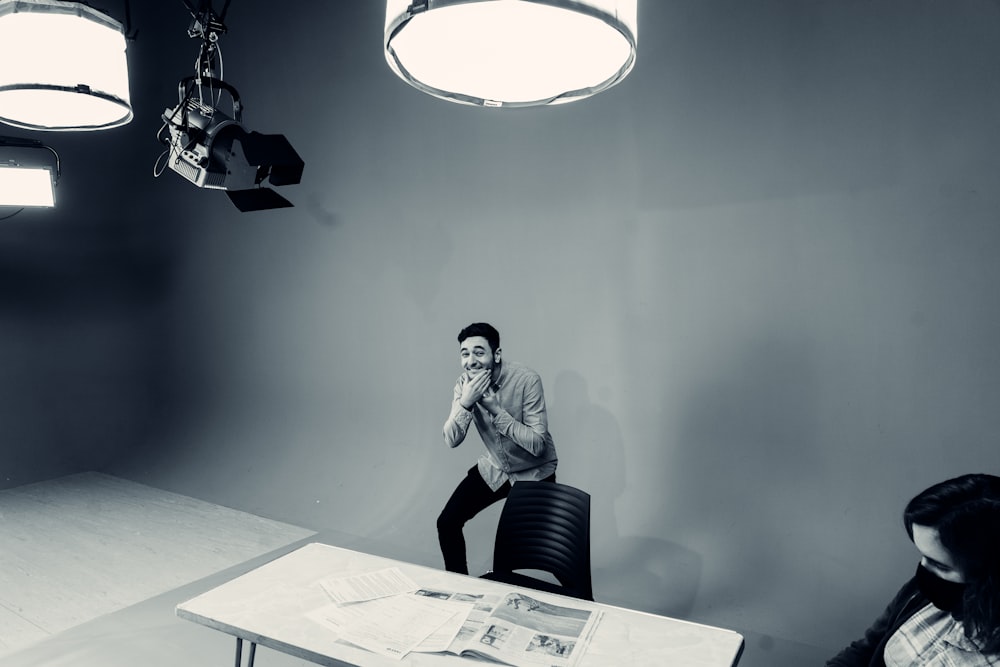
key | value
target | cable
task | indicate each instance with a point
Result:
(58, 164)
(157, 168)
(189, 7)
(8, 217)
(222, 69)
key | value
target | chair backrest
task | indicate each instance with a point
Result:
(546, 526)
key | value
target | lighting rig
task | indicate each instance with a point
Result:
(29, 172)
(212, 149)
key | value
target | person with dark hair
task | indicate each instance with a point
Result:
(506, 402)
(948, 614)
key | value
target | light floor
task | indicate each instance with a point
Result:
(79, 547)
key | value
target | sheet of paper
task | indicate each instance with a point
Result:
(367, 586)
(441, 639)
(480, 608)
(389, 626)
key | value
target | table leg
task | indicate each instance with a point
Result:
(239, 652)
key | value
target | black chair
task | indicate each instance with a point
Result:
(545, 526)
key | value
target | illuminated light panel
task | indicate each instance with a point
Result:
(64, 69)
(511, 52)
(26, 186)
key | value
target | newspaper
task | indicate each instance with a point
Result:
(516, 629)
(391, 626)
(384, 612)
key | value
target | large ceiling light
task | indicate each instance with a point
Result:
(64, 67)
(29, 171)
(509, 53)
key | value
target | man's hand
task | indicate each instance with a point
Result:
(490, 401)
(474, 385)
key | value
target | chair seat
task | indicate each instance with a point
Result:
(517, 579)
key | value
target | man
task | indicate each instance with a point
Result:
(506, 402)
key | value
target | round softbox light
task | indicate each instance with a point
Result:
(504, 53)
(64, 67)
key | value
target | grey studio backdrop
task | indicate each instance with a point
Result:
(758, 279)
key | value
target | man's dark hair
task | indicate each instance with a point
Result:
(965, 511)
(483, 329)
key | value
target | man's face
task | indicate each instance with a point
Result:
(476, 354)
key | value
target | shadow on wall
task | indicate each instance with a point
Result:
(639, 572)
(743, 454)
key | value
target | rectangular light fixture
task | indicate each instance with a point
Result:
(26, 186)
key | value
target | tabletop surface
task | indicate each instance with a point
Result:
(269, 606)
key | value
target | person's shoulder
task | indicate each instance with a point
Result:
(522, 373)
(518, 367)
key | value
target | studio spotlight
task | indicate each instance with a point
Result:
(29, 171)
(213, 149)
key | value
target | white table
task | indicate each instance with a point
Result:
(268, 606)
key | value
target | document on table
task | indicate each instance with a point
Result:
(391, 626)
(451, 636)
(367, 586)
(444, 636)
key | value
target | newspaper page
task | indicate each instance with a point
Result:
(519, 630)
(393, 626)
(527, 632)
(452, 640)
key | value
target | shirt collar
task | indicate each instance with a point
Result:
(954, 634)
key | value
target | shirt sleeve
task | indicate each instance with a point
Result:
(457, 425)
(529, 434)
(861, 652)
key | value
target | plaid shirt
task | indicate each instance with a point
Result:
(932, 638)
